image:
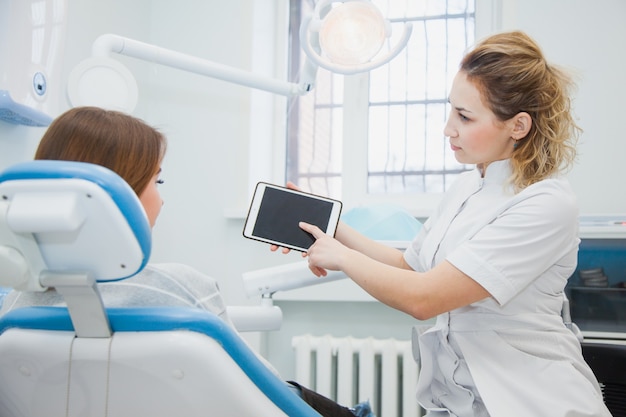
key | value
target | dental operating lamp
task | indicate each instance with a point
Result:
(349, 37)
(344, 37)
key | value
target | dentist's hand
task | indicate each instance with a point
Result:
(326, 253)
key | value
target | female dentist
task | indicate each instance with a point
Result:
(492, 261)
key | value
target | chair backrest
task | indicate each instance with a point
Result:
(67, 225)
(608, 362)
(80, 216)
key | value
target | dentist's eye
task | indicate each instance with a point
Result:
(160, 181)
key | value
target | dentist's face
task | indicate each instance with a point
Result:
(151, 200)
(476, 135)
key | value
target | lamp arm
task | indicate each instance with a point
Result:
(350, 70)
(109, 43)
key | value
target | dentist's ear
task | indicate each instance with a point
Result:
(522, 124)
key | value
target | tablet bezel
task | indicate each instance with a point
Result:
(253, 216)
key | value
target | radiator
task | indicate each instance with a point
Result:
(350, 370)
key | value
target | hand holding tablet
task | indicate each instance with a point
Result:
(275, 213)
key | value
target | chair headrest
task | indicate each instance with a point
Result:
(69, 216)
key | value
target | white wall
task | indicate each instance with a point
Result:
(589, 38)
(207, 123)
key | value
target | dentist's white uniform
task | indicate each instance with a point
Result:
(508, 355)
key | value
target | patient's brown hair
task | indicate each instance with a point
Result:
(120, 142)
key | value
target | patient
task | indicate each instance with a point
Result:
(135, 150)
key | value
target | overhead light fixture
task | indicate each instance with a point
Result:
(353, 33)
(345, 39)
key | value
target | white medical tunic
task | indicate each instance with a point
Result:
(510, 354)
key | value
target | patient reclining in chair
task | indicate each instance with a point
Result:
(135, 150)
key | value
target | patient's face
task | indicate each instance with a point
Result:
(151, 199)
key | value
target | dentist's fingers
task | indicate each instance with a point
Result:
(292, 186)
(312, 229)
(274, 248)
(317, 233)
(317, 271)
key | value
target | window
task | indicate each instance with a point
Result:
(379, 136)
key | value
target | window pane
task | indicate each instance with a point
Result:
(320, 156)
(315, 122)
(407, 151)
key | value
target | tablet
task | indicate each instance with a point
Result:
(275, 212)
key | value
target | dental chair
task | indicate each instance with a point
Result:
(69, 225)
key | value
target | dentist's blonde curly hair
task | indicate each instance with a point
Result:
(513, 76)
